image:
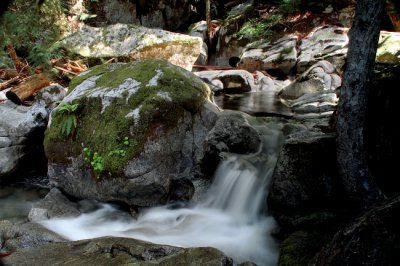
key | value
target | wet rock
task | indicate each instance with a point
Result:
(54, 205)
(117, 251)
(24, 235)
(231, 133)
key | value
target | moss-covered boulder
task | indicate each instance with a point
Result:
(138, 126)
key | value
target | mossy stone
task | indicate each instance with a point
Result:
(121, 109)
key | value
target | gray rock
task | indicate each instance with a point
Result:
(24, 235)
(320, 77)
(304, 176)
(49, 96)
(54, 205)
(325, 43)
(280, 55)
(144, 124)
(21, 137)
(117, 251)
(132, 42)
(231, 133)
(229, 81)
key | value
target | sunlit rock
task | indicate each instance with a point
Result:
(132, 42)
(321, 77)
(279, 56)
(324, 43)
(388, 48)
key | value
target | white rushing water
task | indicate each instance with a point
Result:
(231, 217)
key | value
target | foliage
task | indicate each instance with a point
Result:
(41, 55)
(32, 29)
(69, 121)
(289, 6)
(255, 28)
(96, 161)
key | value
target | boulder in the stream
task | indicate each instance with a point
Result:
(54, 205)
(24, 235)
(117, 251)
(231, 133)
(139, 126)
(129, 42)
(304, 179)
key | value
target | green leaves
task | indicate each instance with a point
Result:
(98, 163)
(69, 121)
(255, 28)
(68, 125)
(65, 107)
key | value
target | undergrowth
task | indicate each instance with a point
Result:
(32, 30)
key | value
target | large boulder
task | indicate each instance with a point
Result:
(304, 179)
(117, 251)
(372, 239)
(139, 126)
(21, 136)
(129, 42)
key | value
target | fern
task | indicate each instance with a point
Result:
(69, 119)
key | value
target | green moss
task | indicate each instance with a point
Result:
(162, 105)
(299, 248)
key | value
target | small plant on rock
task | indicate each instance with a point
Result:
(69, 120)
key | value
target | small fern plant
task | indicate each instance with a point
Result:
(69, 119)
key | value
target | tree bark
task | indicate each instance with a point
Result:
(351, 153)
(208, 20)
(28, 87)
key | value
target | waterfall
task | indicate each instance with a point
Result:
(231, 218)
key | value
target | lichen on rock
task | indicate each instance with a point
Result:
(126, 113)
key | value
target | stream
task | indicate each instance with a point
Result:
(231, 217)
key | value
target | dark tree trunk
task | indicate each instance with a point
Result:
(351, 153)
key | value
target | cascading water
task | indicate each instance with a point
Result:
(231, 217)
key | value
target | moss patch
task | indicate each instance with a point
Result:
(157, 104)
(299, 248)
